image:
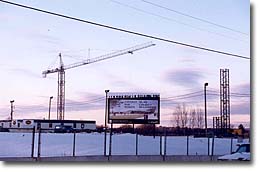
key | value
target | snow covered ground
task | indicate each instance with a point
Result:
(53, 144)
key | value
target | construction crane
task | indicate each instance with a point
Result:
(61, 72)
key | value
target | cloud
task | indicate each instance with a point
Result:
(26, 72)
(88, 101)
(186, 60)
(240, 108)
(122, 82)
(31, 108)
(86, 96)
(241, 88)
(189, 78)
(43, 37)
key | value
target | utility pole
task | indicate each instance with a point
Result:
(205, 99)
(105, 132)
(12, 109)
(50, 107)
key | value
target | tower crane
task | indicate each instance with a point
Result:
(61, 72)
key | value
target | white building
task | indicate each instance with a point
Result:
(46, 125)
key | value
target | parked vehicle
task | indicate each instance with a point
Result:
(63, 129)
(3, 129)
(241, 154)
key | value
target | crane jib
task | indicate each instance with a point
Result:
(62, 68)
(99, 58)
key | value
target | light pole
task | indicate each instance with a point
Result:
(50, 107)
(205, 99)
(105, 132)
(12, 109)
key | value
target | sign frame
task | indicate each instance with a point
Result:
(132, 96)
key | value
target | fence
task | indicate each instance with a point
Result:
(44, 144)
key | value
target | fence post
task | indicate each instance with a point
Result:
(187, 144)
(208, 144)
(212, 146)
(33, 138)
(74, 141)
(39, 144)
(160, 144)
(110, 140)
(136, 144)
(231, 145)
(165, 139)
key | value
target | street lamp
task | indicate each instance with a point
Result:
(12, 109)
(50, 107)
(105, 132)
(205, 99)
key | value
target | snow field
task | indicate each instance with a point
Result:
(54, 144)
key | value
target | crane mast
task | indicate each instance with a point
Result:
(61, 72)
(61, 91)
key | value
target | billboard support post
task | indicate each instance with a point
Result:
(105, 132)
(110, 140)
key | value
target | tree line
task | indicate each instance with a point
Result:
(185, 117)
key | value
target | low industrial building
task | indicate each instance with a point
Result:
(23, 125)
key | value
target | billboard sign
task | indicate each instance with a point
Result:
(134, 108)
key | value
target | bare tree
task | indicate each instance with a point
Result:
(184, 116)
(177, 116)
(200, 118)
(181, 116)
(192, 118)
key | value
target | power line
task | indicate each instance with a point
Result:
(183, 95)
(175, 21)
(232, 93)
(128, 31)
(196, 18)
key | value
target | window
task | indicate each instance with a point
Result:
(74, 125)
(243, 148)
(18, 124)
(50, 125)
(38, 126)
(82, 125)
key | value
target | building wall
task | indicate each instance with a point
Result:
(30, 123)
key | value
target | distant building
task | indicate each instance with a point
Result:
(23, 125)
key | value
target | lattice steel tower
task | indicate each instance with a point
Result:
(61, 91)
(224, 100)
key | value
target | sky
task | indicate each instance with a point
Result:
(31, 42)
